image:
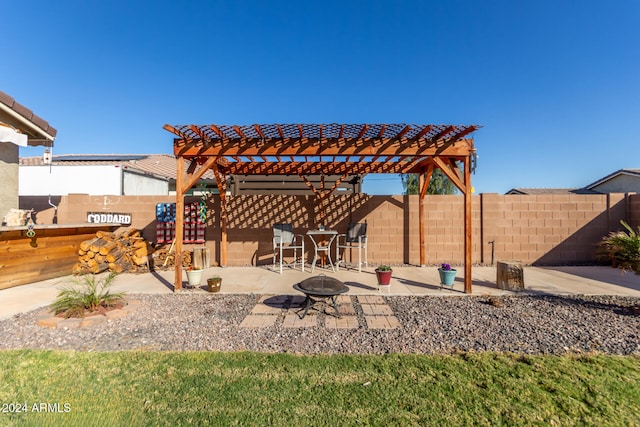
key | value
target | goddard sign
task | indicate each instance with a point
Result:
(111, 217)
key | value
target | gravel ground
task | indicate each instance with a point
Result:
(195, 321)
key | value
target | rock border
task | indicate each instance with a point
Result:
(50, 320)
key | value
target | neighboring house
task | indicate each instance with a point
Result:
(621, 181)
(542, 191)
(98, 174)
(19, 127)
(148, 175)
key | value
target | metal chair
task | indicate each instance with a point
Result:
(284, 239)
(355, 238)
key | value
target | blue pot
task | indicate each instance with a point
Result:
(447, 277)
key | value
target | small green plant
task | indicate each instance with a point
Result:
(383, 267)
(623, 248)
(87, 294)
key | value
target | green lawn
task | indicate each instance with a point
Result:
(207, 388)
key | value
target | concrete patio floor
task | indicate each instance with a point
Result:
(591, 280)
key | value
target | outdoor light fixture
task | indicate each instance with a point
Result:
(474, 161)
(47, 157)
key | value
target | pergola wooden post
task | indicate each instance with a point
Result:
(183, 185)
(423, 184)
(463, 182)
(179, 234)
(221, 182)
(322, 149)
(468, 248)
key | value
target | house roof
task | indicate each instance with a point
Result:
(631, 172)
(588, 189)
(18, 116)
(543, 191)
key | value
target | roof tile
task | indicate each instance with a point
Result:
(27, 114)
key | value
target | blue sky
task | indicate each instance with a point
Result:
(553, 83)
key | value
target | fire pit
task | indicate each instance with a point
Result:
(320, 288)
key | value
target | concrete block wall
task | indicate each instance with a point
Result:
(548, 229)
(251, 217)
(444, 229)
(534, 229)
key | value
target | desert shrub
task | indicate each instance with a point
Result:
(87, 293)
(623, 248)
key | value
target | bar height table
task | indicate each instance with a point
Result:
(320, 245)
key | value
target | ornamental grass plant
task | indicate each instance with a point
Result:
(623, 248)
(87, 294)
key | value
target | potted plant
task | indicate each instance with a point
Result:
(447, 275)
(194, 276)
(383, 274)
(214, 283)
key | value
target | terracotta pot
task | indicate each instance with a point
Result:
(384, 277)
(213, 284)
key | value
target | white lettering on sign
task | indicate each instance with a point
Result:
(102, 218)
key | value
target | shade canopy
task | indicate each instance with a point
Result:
(313, 149)
(323, 149)
(8, 134)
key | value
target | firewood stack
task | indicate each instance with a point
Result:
(164, 257)
(127, 252)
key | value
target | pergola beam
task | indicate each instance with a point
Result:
(259, 130)
(453, 176)
(218, 131)
(194, 176)
(363, 131)
(317, 168)
(325, 147)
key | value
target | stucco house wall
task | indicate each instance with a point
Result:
(94, 180)
(135, 184)
(8, 177)
(109, 180)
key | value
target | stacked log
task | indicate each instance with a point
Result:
(164, 257)
(128, 251)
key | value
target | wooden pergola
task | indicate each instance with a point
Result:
(322, 149)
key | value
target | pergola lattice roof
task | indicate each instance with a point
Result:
(323, 131)
(308, 149)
